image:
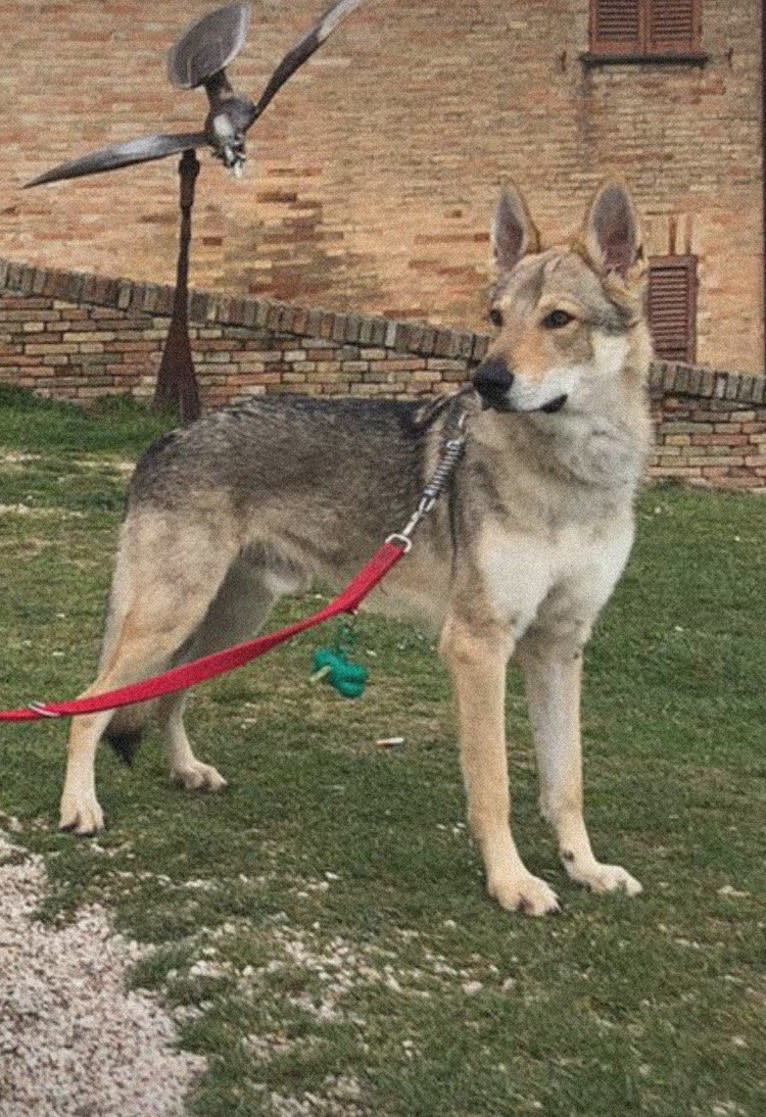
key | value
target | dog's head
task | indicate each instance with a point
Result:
(570, 320)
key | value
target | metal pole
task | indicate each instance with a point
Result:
(176, 380)
(763, 177)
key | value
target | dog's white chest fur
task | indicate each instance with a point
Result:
(571, 572)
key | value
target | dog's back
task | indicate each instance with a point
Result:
(333, 470)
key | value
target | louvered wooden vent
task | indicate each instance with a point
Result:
(645, 27)
(616, 26)
(673, 306)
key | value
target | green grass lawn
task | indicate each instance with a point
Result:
(321, 926)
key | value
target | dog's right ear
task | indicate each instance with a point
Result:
(514, 233)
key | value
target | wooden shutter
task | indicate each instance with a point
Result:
(673, 306)
(616, 26)
(640, 27)
(672, 26)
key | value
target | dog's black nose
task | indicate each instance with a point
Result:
(492, 381)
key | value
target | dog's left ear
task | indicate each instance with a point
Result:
(612, 236)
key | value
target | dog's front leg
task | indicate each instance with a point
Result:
(552, 667)
(477, 662)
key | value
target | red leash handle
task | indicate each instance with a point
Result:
(200, 670)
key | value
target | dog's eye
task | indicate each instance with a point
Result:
(496, 316)
(557, 319)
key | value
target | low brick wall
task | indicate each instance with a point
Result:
(77, 336)
(710, 427)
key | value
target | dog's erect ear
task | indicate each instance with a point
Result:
(612, 236)
(513, 230)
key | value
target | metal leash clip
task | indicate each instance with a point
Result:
(41, 709)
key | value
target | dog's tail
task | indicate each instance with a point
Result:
(126, 729)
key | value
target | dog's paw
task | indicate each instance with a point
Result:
(199, 777)
(82, 817)
(526, 894)
(604, 878)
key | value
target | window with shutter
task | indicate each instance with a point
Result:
(616, 27)
(672, 26)
(641, 30)
(673, 306)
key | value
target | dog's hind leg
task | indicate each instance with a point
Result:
(141, 651)
(80, 809)
(552, 668)
(154, 611)
(185, 768)
(237, 612)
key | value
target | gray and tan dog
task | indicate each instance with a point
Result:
(257, 500)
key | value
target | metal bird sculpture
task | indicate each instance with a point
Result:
(200, 57)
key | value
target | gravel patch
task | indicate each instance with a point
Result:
(73, 1041)
(45, 513)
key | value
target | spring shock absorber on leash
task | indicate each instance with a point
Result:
(453, 451)
(332, 665)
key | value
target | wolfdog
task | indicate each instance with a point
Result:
(257, 499)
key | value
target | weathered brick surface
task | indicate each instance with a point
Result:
(373, 174)
(710, 425)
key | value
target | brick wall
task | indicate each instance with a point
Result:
(373, 175)
(710, 427)
(75, 336)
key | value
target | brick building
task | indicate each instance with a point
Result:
(373, 175)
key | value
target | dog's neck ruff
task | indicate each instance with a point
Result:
(603, 451)
(598, 452)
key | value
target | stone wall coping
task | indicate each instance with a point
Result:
(211, 307)
(671, 378)
(373, 331)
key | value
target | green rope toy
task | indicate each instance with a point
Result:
(332, 665)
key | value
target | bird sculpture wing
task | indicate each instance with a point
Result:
(303, 49)
(208, 46)
(142, 150)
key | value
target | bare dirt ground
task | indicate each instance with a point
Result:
(73, 1041)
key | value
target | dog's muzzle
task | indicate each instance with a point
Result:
(492, 381)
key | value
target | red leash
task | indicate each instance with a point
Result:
(199, 670)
